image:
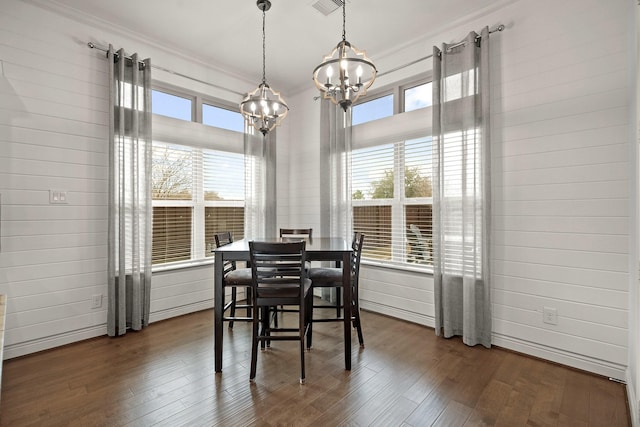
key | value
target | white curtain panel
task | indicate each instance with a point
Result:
(335, 171)
(130, 211)
(461, 199)
(260, 201)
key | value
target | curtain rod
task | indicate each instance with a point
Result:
(500, 27)
(93, 45)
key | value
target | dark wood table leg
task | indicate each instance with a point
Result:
(346, 311)
(218, 304)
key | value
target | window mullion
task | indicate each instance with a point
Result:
(397, 208)
(198, 209)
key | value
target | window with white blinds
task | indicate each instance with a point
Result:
(172, 194)
(196, 193)
(223, 195)
(391, 186)
(197, 182)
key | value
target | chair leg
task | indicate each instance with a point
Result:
(357, 323)
(264, 320)
(254, 349)
(302, 325)
(302, 377)
(247, 293)
(233, 306)
(309, 323)
(338, 298)
(275, 316)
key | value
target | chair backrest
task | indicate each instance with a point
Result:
(224, 238)
(356, 246)
(297, 232)
(278, 271)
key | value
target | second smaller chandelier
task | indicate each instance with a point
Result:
(264, 108)
(346, 73)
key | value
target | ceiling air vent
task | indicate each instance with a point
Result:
(327, 6)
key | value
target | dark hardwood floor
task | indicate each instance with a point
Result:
(405, 376)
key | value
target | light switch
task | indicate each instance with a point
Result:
(58, 197)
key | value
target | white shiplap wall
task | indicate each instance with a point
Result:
(53, 135)
(562, 180)
(53, 117)
(561, 184)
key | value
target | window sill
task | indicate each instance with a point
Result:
(403, 267)
(181, 265)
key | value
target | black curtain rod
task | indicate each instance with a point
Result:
(424, 58)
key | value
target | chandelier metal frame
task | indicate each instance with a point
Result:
(349, 61)
(264, 108)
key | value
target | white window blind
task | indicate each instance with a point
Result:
(172, 193)
(391, 186)
(223, 195)
(196, 193)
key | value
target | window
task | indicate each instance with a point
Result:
(419, 96)
(172, 193)
(372, 110)
(222, 118)
(391, 182)
(197, 183)
(170, 105)
(392, 192)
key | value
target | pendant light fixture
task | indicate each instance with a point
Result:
(354, 72)
(264, 108)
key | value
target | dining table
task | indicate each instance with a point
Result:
(335, 249)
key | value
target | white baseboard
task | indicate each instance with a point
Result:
(579, 361)
(563, 357)
(46, 343)
(398, 313)
(633, 401)
(181, 310)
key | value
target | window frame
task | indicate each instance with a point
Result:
(196, 136)
(399, 201)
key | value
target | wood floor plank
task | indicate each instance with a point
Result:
(164, 376)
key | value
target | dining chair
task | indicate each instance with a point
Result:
(279, 277)
(234, 278)
(323, 277)
(292, 233)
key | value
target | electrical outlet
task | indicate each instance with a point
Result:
(96, 301)
(550, 315)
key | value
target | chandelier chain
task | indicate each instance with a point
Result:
(344, 20)
(264, 56)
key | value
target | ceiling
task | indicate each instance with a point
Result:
(227, 34)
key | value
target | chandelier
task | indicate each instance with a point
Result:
(348, 62)
(264, 108)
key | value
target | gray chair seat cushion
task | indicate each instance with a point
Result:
(280, 291)
(326, 276)
(240, 276)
